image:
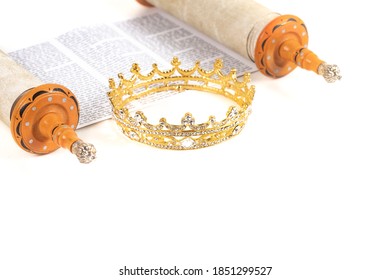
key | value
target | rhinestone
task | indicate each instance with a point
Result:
(212, 120)
(187, 120)
(249, 109)
(187, 143)
(138, 118)
(133, 135)
(233, 112)
(237, 130)
(121, 113)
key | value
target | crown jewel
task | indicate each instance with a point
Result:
(188, 134)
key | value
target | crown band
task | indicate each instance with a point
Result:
(187, 135)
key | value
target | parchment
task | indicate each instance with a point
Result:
(14, 80)
(230, 22)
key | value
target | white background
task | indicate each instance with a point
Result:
(303, 188)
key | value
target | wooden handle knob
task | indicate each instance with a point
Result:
(44, 119)
(293, 51)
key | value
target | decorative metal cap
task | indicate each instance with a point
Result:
(85, 152)
(330, 72)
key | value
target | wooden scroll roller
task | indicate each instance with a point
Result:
(42, 117)
(276, 43)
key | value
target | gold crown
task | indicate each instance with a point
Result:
(188, 134)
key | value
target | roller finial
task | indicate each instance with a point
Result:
(330, 72)
(85, 152)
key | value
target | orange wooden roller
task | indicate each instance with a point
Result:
(276, 43)
(42, 118)
(282, 46)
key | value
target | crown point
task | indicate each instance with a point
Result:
(120, 76)
(135, 68)
(233, 74)
(247, 77)
(139, 118)
(232, 113)
(218, 64)
(252, 90)
(111, 83)
(163, 121)
(188, 120)
(212, 120)
(175, 61)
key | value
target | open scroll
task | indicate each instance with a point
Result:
(85, 58)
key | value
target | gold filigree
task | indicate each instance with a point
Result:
(186, 135)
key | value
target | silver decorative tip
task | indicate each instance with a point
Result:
(85, 152)
(330, 72)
